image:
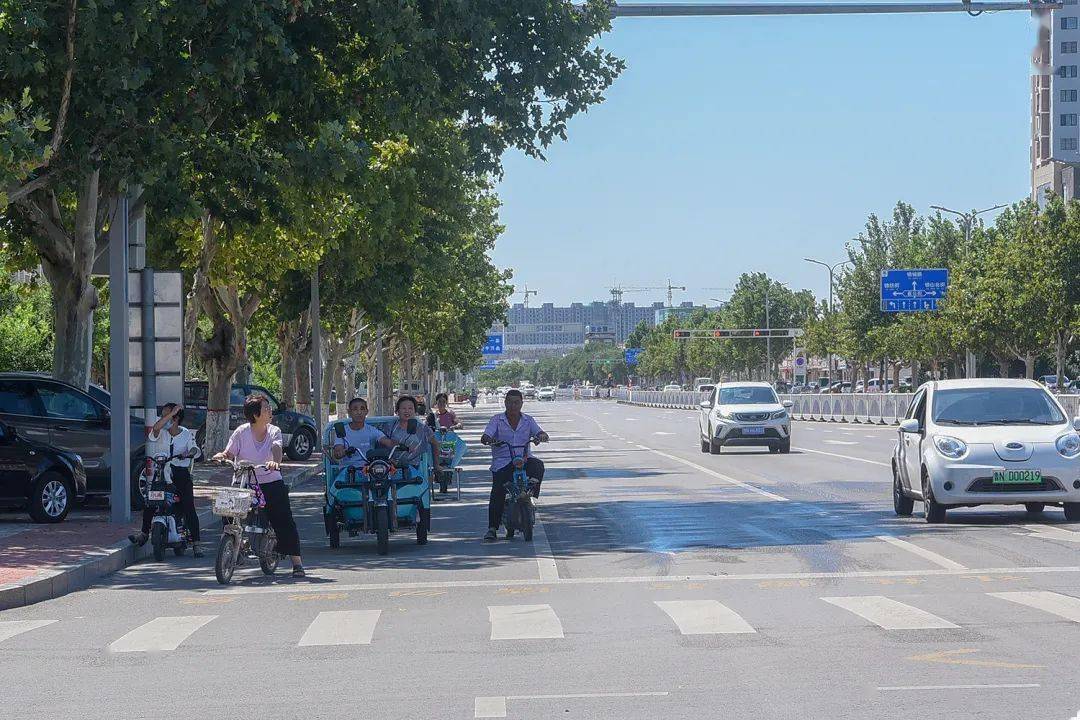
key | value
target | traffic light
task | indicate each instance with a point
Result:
(682, 334)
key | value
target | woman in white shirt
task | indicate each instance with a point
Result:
(169, 437)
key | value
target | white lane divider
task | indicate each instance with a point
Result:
(1006, 686)
(889, 614)
(341, 627)
(524, 622)
(718, 476)
(939, 560)
(163, 633)
(841, 442)
(545, 560)
(704, 617)
(843, 457)
(11, 628)
(1049, 532)
(1064, 606)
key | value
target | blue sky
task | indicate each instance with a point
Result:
(739, 144)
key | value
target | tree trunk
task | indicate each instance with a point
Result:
(1061, 346)
(1004, 364)
(287, 349)
(1029, 366)
(303, 366)
(916, 371)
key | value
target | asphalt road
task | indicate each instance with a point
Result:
(663, 583)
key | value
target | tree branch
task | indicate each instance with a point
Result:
(65, 94)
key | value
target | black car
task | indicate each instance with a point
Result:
(297, 429)
(43, 480)
(56, 414)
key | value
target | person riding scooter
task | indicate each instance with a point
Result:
(357, 435)
(510, 428)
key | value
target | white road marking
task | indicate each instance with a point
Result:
(545, 560)
(11, 628)
(704, 617)
(341, 627)
(524, 622)
(845, 457)
(841, 442)
(658, 432)
(639, 579)
(1064, 606)
(718, 476)
(889, 614)
(1049, 532)
(939, 560)
(959, 687)
(495, 707)
(163, 633)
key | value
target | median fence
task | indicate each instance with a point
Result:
(871, 408)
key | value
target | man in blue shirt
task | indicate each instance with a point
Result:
(357, 434)
(514, 428)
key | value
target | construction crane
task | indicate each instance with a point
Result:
(618, 290)
(527, 292)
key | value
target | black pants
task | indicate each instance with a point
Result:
(181, 479)
(279, 512)
(534, 468)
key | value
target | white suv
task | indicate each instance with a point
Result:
(745, 413)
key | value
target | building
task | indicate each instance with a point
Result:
(1055, 107)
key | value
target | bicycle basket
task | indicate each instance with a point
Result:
(232, 502)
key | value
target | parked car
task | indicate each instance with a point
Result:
(986, 442)
(41, 479)
(53, 413)
(545, 393)
(1051, 382)
(297, 429)
(745, 413)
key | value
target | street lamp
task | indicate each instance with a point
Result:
(832, 271)
(969, 222)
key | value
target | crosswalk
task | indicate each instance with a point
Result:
(532, 622)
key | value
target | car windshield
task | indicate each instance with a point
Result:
(747, 396)
(996, 406)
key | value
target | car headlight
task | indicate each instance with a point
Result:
(1069, 445)
(778, 415)
(950, 447)
(721, 415)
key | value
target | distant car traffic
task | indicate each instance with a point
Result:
(705, 388)
(986, 442)
(672, 387)
(744, 413)
(41, 479)
(545, 393)
(297, 429)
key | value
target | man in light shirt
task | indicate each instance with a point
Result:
(515, 428)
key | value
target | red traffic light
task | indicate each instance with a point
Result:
(682, 334)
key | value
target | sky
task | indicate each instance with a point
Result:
(733, 145)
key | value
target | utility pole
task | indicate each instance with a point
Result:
(527, 292)
(832, 272)
(970, 365)
(768, 336)
(316, 359)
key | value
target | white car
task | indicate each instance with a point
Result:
(986, 442)
(744, 413)
(672, 387)
(545, 393)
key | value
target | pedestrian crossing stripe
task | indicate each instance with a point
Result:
(541, 622)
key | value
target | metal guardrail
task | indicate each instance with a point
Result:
(870, 408)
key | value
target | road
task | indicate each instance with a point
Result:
(663, 583)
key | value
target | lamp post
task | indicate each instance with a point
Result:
(969, 221)
(832, 272)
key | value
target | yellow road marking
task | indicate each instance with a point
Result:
(417, 593)
(522, 590)
(990, 578)
(782, 584)
(948, 657)
(214, 600)
(305, 597)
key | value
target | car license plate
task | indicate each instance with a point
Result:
(753, 430)
(1014, 477)
(156, 495)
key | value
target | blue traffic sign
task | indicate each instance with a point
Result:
(915, 290)
(632, 355)
(488, 365)
(494, 345)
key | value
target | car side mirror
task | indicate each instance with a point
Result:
(1076, 423)
(789, 404)
(705, 404)
(911, 426)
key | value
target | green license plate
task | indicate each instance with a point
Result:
(1023, 477)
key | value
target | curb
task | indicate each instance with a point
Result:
(881, 422)
(81, 575)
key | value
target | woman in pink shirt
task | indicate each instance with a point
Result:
(259, 442)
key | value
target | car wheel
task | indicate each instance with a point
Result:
(1072, 512)
(1034, 508)
(302, 445)
(50, 498)
(715, 447)
(704, 445)
(933, 511)
(902, 504)
(785, 447)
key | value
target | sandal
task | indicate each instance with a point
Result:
(298, 571)
(491, 535)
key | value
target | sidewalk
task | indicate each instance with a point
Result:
(39, 562)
